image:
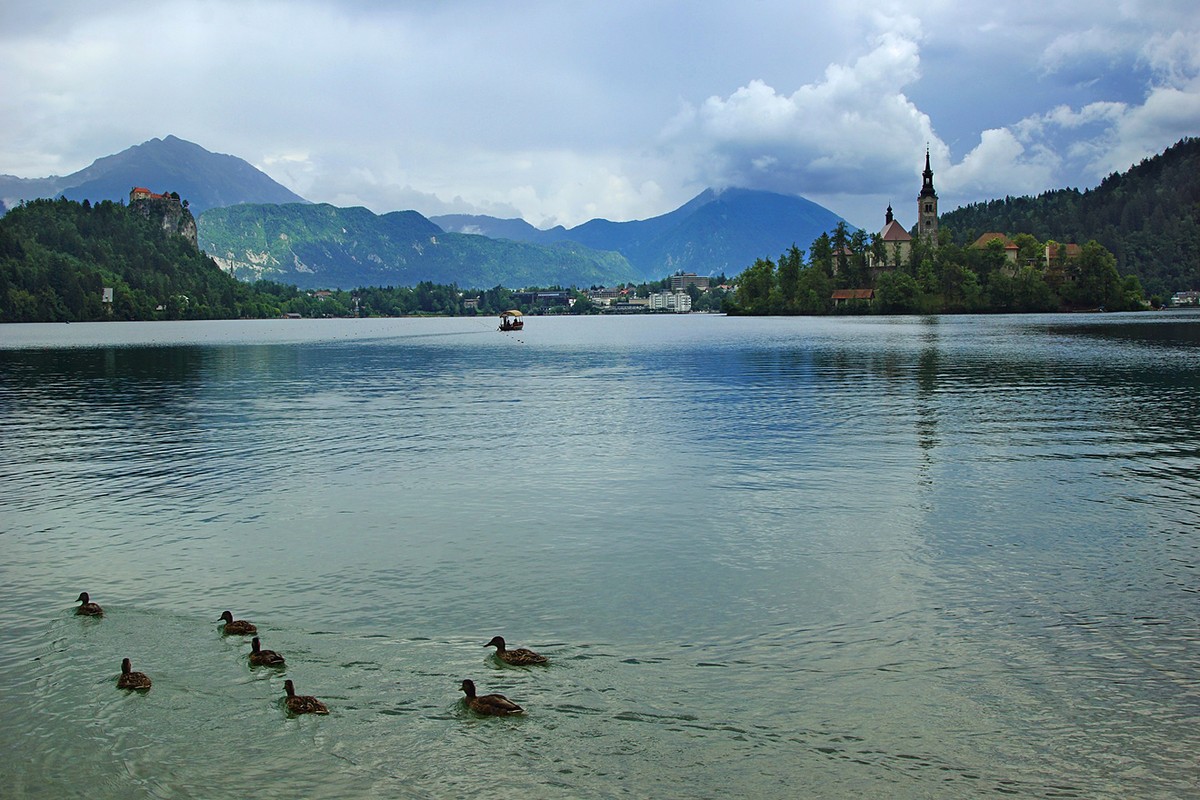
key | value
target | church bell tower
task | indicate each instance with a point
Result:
(927, 212)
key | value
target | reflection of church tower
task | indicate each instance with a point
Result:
(927, 213)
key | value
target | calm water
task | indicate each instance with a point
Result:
(773, 558)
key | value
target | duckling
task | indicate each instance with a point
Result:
(132, 680)
(87, 608)
(302, 703)
(520, 657)
(263, 658)
(494, 704)
(236, 627)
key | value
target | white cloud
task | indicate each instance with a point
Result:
(854, 130)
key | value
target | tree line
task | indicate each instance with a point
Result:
(58, 256)
(949, 278)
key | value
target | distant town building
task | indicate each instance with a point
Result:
(679, 283)
(605, 296)
(546, 299)
(679, 302)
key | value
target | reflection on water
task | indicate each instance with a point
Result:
(937, 557)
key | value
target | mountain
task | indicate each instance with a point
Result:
(206, 180)
(1148, 217)
(322, 246)
(712, 233)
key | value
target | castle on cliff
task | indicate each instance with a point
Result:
(173, 215)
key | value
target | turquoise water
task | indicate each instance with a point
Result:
(938, 558)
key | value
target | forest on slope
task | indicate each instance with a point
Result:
(56, 257)
(1148, 217)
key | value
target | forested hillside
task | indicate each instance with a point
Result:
(1149, 217)
(326, 247)
(57, 256)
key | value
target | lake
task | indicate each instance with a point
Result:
(900, 557)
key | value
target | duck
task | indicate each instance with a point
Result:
(302, 703)
(87, 608)
(520, 657)
(263, 658)
(129, 679)
(239, 627)
(494, 704)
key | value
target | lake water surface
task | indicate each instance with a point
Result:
(873, 557)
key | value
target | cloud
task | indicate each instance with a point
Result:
(563, 112)
(852, 131)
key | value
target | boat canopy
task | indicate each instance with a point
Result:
(513, 313)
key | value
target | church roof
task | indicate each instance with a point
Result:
(894, 232)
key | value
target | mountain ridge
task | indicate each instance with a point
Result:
(205, 179)
(320, 246)
(714, 232)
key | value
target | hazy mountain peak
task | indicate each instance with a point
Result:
(206, 180)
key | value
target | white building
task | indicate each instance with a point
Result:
(679, 302)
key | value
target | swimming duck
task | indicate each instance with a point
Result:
(520, 657)
(132, 680)
(236, 627)
(263, 658)
(302, 703)
(494, 704)
(87, 608)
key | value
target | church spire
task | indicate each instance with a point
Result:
(927, 176)
(927, 206)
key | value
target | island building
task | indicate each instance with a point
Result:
(898, 242)
(927, 208)
(1011, 251)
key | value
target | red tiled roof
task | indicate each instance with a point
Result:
(1072, 251)
(894, 232)
(987, 238)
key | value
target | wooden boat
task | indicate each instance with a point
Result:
(511, 321)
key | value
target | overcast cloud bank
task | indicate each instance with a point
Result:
(560, 113)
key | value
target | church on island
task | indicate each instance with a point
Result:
(897, 242)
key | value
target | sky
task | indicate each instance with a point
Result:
(561, 112)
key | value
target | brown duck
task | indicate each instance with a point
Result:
(302, 703)
(263, 658)
(520, 657)
(87, 608)
(129, 679)
(494, 704)
(236, 627)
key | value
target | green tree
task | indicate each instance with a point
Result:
(755, 287)
(788, 277)
(1094, 278)
(896, 292)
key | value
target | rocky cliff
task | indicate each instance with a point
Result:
(175, 216)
